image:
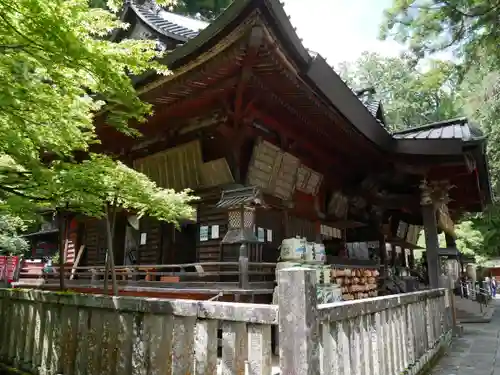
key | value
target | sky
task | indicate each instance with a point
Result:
(341, 30)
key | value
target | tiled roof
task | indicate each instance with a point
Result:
(371, 104)
(240, 196)
(169, 24)
(459, 128)
(366, 96)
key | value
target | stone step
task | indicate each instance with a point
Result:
(467, 316)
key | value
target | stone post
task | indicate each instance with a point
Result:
(243, 266)
(298, 322)
(431, 235)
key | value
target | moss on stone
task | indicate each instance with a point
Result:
(8, 370)
(65, 293)
(429, 366)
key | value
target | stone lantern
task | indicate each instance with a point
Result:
(240, 242)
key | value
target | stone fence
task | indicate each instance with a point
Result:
(58, 333)
(391, 335)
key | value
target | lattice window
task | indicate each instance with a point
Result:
(234, 219)
(248, 219)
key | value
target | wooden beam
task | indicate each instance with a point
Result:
(448, 171)
(290, 133)
(77, 262)
(188, 106)
(254, 42)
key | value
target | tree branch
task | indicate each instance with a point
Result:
(23, 195)
(5, 47)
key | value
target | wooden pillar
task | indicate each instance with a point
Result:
(383, 255)
(243, 266)
(450, 241)
(286, 222)
(393, 255)
(431, 236)
(411, 259)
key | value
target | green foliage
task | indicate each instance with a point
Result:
(204, 9)
(470, 239)
(411, 96)
(207, 9)
(480, 91)
(10, 242)
(421, 240)
(54, 60)
(469, 28)
(428, 26)
(90, 186)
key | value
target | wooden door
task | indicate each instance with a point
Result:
(178, 246)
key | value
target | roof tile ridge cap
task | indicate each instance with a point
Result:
(433, 125)
(156, 13)
(415, 128)
(279, 5)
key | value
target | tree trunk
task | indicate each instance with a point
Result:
(106, 273)
(63, 230)
(110, 228)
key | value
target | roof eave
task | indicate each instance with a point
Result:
(429, 147)
(287, 29)
(332, 87)
(167, 34)
(483, 175)
(174, 59)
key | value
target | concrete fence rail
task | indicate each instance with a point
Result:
(390, 335)
(58, 333)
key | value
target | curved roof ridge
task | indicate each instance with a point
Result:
(169, 24)
(459, 128)
(432, 125)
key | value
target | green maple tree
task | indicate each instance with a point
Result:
(58, 73)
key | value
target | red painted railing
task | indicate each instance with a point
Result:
(9, 266)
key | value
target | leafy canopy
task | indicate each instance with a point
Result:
(207, 9)
(428, 26)
(411, 96)
(480, 92)
(58, 71)
(91, 185)
(10, 242)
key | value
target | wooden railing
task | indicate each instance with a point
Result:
(60, 333)
(189, 275)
